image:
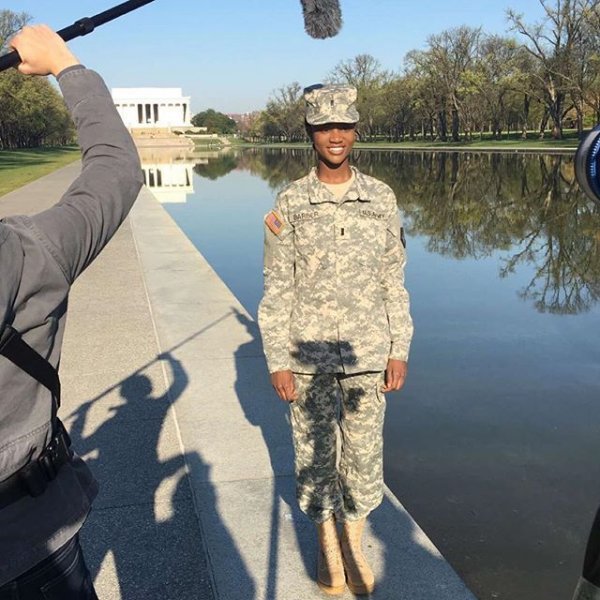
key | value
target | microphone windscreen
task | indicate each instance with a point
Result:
(322, 18)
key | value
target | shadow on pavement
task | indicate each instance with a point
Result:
(144, 525)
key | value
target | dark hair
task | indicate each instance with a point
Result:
(309, 129)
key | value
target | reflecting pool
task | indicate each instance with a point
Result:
(494, 444)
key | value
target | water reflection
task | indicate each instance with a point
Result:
(217, 166)
(529, 207)
(275, 166)
(168, 173)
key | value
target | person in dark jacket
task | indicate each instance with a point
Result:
(40, 258)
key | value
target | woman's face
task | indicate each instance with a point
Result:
(333, 141)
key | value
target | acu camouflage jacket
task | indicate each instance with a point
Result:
(334, 298)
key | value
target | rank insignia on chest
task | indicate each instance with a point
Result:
(274, 222)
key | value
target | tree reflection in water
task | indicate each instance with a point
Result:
(470, 205)
(529, 207)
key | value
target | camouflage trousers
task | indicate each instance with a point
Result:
(337, 425)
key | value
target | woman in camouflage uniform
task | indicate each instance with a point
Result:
(336, 331)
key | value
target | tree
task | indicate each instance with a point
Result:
(365, 73)
(284, 115)
(215, 122)
(557, 45)
(10, 23)
(428, 102)
(523, 84)
(432, 96)
(398, 105)
(466, 81)
(491, 79)
(33, 113)
(452, 56)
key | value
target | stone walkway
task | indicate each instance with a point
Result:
(167, 397)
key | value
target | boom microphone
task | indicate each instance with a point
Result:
(322, 18)
(80, 28)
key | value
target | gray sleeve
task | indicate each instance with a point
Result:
(80, 225)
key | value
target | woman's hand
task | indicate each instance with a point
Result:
(395, 374)
(284, 384)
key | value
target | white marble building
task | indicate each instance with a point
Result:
(152, 107)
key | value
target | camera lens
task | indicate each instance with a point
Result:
(587, 164)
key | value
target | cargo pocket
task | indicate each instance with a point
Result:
(370, 241)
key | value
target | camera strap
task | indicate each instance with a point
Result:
(32, 479)
(15, 349)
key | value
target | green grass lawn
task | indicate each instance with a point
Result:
(477, 144)
(18, 167)
(512, 142)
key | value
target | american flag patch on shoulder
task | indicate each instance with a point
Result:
(274, 222)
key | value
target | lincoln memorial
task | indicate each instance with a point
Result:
(152, 107)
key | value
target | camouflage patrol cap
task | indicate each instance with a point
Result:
(330, 104)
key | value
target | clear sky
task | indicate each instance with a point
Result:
(231, 55)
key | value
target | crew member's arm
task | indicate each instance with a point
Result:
(396, 303)
(275, 308)
(77, 228)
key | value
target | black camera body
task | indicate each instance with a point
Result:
(587, 164)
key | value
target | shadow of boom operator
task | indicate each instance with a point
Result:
(144, 521)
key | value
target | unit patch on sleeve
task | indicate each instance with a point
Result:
(274, 222)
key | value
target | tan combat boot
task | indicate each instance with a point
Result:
(359, 575)
(330, 569)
